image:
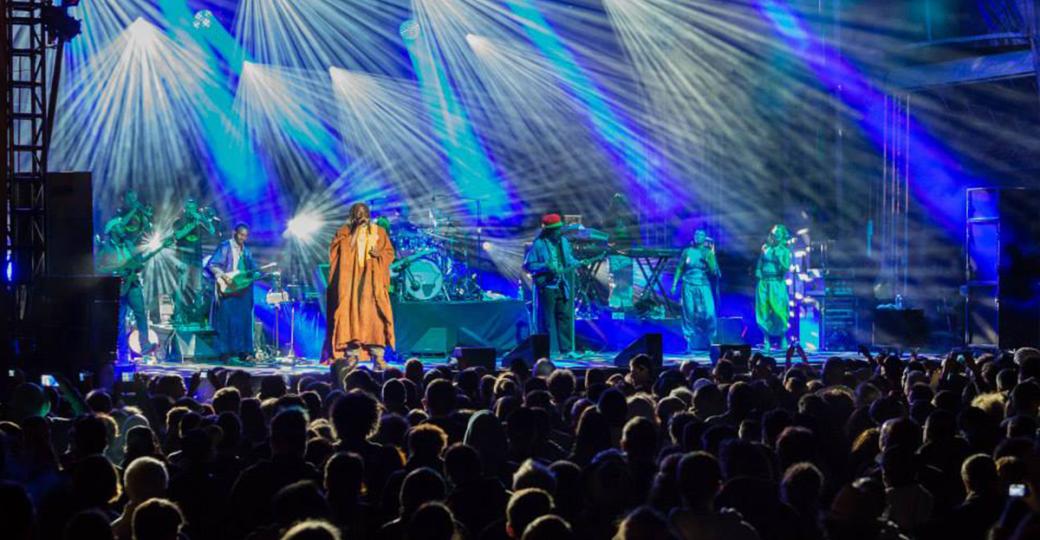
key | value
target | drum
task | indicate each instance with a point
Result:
(133, 340)
(423, 280)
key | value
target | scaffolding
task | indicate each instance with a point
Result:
(25, 137)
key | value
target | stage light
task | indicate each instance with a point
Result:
(409, 30)
(486, 246)
(304, 226)
(141, 31)
(477, 43)
(203, 19)
(154, 241)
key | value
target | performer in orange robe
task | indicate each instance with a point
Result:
(358, 299)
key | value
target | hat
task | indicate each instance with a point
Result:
(552, 221)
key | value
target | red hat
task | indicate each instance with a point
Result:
(552, 221)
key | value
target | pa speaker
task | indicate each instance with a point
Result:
(530, 350)
(475, 357)
(651, 345)
(75, 321)
(738, 353)
(69, 224)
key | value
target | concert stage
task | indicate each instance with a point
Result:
(313, 367)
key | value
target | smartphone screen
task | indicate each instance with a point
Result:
(128, 376)
(1017, 490)
(48, 380)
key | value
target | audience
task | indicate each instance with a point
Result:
(872, 448)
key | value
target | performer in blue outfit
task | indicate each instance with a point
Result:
(232, 314)
(550, 261)
(697, 267)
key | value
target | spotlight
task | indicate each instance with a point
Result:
(141, 31)
(486, 246)
(476, 42)
(154, 242)
(409, 30)
(304, 226)
(203, 19)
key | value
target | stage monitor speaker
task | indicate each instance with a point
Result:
(530, 350)
(475, 357)
(900, 328)
(651, 345)
(194, 345)
(435, 341)
(75, 322)
(739, 354)
(69, 224)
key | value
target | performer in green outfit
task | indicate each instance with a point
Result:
(771, 297)
(697, 266)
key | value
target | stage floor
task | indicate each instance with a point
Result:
(311, 366)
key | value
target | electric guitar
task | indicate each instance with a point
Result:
(232, 283)
(118, 258)
(560, 282)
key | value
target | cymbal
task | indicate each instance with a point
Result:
(578, 231)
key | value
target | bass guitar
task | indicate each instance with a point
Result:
(560, 282)
(232, 283)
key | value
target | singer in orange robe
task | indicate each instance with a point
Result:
(358, 298)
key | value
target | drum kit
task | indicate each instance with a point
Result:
(431, 263)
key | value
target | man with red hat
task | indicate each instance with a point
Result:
(551, 263)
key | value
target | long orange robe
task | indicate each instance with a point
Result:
(358, 298)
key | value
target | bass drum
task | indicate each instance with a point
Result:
(422, 280)
(133, 341)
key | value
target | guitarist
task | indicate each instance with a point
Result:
(231, 316)
(549, 261)
(131, 291)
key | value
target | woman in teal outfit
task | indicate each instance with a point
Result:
(771, 296)
(697, 267)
